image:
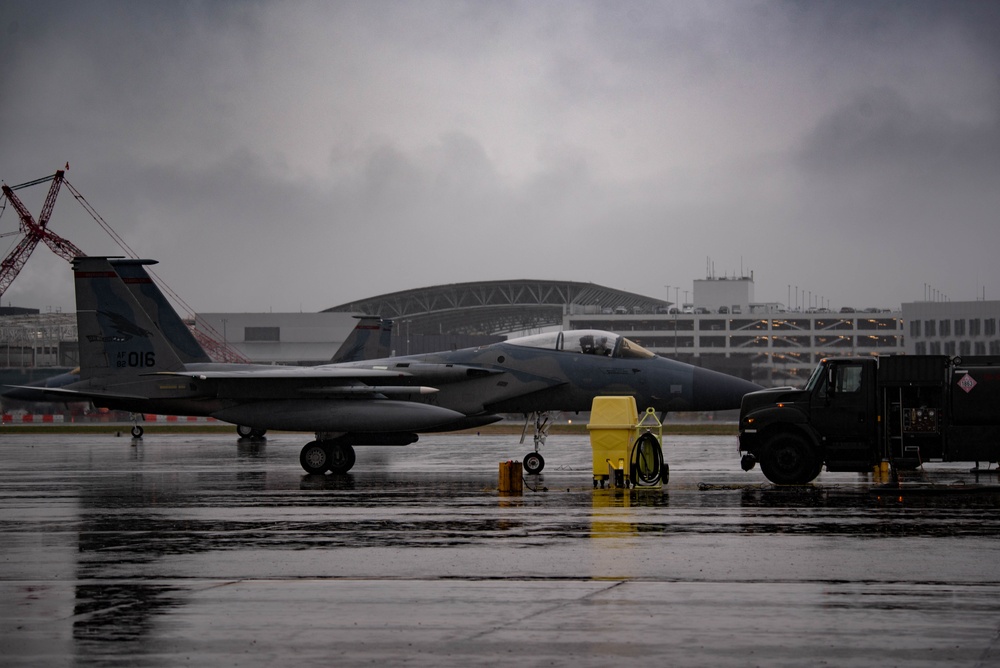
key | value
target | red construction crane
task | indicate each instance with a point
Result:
(35, 232)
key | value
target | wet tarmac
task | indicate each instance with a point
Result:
(196, 550)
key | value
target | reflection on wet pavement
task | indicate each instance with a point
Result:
(197, 549)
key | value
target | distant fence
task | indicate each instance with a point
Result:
(184, 419)
(29, 418)
(58, 418)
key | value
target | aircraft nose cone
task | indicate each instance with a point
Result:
(714, 391)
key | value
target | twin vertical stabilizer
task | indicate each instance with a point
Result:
(117, 337)
(369, 340)
(159, 310)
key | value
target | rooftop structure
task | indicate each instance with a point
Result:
(498, 307)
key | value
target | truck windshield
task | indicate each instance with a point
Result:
(818, 375)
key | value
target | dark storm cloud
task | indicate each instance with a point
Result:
(286, 155)
(879, 133)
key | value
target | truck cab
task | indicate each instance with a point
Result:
(833, 420)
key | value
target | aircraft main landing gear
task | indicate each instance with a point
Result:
(318, 457)
(244, 431)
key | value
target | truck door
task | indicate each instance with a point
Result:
(843, 412)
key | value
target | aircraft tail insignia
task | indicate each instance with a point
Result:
(124, 328)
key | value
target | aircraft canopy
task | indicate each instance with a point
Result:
(586, 342)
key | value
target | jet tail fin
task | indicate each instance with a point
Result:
(369, 340)
(117, 337)
(156, 306)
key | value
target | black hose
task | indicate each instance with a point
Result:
(650, 476)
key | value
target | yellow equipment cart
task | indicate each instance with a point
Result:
(628, 451)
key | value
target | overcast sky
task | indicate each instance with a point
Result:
(291, 156)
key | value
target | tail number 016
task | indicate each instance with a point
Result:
(136, 360)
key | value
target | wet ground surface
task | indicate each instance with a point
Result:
(194, 550)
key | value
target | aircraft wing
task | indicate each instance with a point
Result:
(345, 382)
(64, 394)
(404, 372)
(291, 372)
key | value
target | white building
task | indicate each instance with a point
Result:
(952, 328)
(723, 295)
(280, 338)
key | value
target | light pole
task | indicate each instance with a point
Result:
(677, 296)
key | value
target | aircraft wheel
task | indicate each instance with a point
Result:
(533, 463)
(137, 431)
(315, 458)
(257, 434)
(342, 458)
(244, 431)
(789, 460)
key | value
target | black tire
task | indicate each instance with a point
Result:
(533, 463)
(341, 458)
(788, 459)
(315, 458)
(817, 468)
(244, 431)
(137, 431)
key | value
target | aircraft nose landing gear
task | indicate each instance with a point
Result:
(533, 461)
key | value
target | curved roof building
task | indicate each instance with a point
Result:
(498, 307)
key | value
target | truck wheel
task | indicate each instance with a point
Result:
(817, 468)
(790, 460)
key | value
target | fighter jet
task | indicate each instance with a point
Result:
(128, 364)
